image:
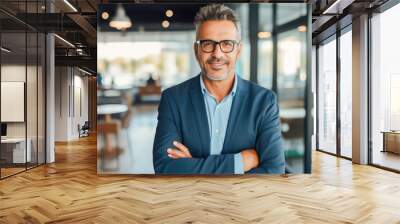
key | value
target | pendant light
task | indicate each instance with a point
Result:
(120, 21)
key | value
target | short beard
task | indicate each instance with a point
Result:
(214, 78)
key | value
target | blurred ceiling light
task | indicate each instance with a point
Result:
(70, 5)
(264, 35)
(65, 41)
(120, 20)
(169, 13)
(165, 24)
(5, 50)
(302, 28)
(105, 15)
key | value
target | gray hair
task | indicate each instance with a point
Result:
(217, 12)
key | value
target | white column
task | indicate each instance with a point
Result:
(50, 99)
(63, 112)
(360, 90)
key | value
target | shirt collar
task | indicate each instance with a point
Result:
(204, 90)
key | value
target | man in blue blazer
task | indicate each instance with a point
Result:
(216, 122)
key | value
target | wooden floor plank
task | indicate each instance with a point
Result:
(70, 191)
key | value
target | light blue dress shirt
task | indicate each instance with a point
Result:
(218, 116)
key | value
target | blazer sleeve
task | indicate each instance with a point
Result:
(269, 144)
(167, 131)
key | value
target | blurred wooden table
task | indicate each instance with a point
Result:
(391, 141)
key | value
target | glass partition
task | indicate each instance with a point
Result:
(346, 94)
(327, 96)
(22, 87)
(31, 97)
(41, 97)
(385, 89)
(14, 154)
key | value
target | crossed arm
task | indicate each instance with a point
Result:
(172, 157)
(250, 157)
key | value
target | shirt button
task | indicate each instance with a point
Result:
(216, 131)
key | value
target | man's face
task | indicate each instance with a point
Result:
(217, 65)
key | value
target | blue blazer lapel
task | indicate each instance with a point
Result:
(237, 111)
(200, 116)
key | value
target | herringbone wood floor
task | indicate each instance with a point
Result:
(70, 191)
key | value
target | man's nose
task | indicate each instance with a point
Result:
(217, 51)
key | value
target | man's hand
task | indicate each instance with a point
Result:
(250, 159)
(181, 151)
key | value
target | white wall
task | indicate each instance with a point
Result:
(12, 73)
(62, 81)
(71, 93)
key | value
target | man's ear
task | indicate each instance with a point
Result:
(195, 48)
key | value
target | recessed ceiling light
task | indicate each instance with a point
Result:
(105, 15)
(165, 24)
(169, 13)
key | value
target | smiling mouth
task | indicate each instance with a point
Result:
(216, 65)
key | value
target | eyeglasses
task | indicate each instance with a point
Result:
(208, 46)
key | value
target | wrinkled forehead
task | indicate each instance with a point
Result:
(217, 30)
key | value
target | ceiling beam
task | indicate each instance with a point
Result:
(84, 24)
(81, 61)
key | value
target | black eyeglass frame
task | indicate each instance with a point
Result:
(234, 42)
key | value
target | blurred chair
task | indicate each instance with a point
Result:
(84, 130)
(150, 93)
(108, 150)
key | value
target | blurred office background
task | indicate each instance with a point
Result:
(137, 62)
